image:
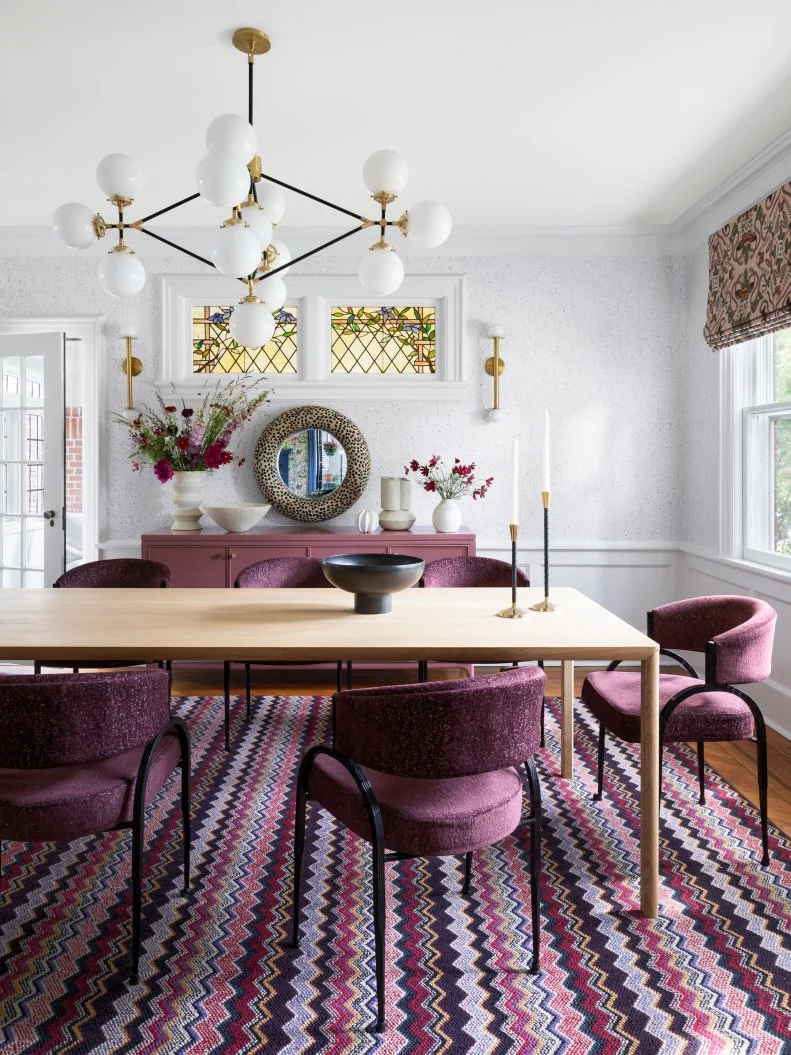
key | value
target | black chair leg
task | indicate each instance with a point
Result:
(348, 674)
(701, 773)
(422, 670)
(226, 671)
(600, 768)
(247, 688)
(465, 888)
(543, 712)
(378, 883)
(339, 676)
(138, 834)
(186, 820)
(534, 787)
(36, 666)
(299, 849)
(763, 784)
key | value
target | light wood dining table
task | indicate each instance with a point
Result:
(447, 624)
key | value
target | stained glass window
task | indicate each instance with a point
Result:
(384, 340)
(214, 351)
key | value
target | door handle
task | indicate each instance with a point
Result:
(49, 514)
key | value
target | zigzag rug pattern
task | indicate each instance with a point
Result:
(711, 976)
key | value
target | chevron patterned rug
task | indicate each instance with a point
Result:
(711, 976)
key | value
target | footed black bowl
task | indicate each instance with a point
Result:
(373, 577)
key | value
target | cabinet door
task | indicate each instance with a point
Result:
(429, 553)
(196, 565)
(327, 549)
(240, 557)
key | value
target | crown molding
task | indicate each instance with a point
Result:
(767, 170)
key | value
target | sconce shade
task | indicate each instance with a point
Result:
(121, 274)
(381, 270)
(251, 324)
(120, 176)
(385, 172)
(429, 224)
(73, 225)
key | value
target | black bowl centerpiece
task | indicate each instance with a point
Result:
(373, 577)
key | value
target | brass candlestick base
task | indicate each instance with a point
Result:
(543, 606)
(512, 611)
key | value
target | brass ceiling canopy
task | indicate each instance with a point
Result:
(251, 41)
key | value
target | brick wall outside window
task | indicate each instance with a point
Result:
(74, 459)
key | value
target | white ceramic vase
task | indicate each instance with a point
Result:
(447, 515)
(187, 492)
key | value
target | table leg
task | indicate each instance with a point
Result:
(649, 787)
(567, 718)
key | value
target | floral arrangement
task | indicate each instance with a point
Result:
(456, 482)
(188, 439)
(331, 447)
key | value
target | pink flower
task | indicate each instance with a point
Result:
(163, 470)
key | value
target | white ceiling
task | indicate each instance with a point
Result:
(559, 112)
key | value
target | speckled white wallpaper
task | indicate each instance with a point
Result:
(598, 341)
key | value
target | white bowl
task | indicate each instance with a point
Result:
(239, 517)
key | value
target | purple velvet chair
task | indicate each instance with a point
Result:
(273, 574)
(123, 573)
(428, 770)
(471, 571)
(86, 753)
(736, 635)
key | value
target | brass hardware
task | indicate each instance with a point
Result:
(136, 226)
(511, 612)
(232, 556)
(131, 366)
(402, 223)
(254, 168)
(121, 203)
(122, 247)
(494, 366)
(251, 42)
(382, 244)
(368, 223)
(235, 219)
(99, 225)
(545, 497)
(384, 198)
(545, 605)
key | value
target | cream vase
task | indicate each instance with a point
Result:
(187, 493)
(447, 515)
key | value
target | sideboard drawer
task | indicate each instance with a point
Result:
(194, 566)
(430, 553)
(324, 550)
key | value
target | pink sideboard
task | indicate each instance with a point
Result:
(213, 557)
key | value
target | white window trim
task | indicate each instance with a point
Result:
(313, 295)
(746, 390)
(88, 329)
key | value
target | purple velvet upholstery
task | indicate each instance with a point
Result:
(123, 573)
(283, 573)
(71, 747)
(439, 757)
(443, 729)
(471, 571)
(741, 628)
(614, 698)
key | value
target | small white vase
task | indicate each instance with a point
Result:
(447, 515)
(187, 492)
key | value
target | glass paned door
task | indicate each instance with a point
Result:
(32, 532)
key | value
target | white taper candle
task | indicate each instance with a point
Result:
(545, 475)
(515, 484)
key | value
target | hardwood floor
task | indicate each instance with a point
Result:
(734, 761)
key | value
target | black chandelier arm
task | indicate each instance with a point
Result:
(310, 252)
(174, 245)
(313, 197)
(168, 208)
(250, 68)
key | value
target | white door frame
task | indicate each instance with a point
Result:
(88, 328)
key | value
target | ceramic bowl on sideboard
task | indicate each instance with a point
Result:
(238, 517)
(373, 577)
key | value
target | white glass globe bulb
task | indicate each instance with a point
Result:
(381, 271)
(385, 172)
(251, 324)
(428, 224)
(258, 222)
(233, 135)
(120, 176)
(272, 292)
(283, 257)
(236, 250)
(271, 199)
(72, 224)
(222, 179)
(121, 274)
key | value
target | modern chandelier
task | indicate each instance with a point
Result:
(231, 176)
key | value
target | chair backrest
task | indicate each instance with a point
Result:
(736, 633)
(283, 573)
(471, 571)
(75, 719)
(119, 573)
(443, 728)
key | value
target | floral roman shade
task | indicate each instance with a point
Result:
(750, 273)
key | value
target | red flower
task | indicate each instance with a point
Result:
(424, 470)
(241, 462)
(163, 470)
(136, 467)
(434, 461)
(182, 443)
(226, 457)
(414, 465)
(170, 410)
(214, 456)
(429, 485)
(187, 412)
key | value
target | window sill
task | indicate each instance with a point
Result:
(766, 571)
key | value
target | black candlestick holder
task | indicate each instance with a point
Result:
(512, 611)
(545, 605)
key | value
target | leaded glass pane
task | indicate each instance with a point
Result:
(384, 340)
(214, 351)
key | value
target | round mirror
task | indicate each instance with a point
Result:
(311, 463)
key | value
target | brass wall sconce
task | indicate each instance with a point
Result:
(131, 366)
(494, 366)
